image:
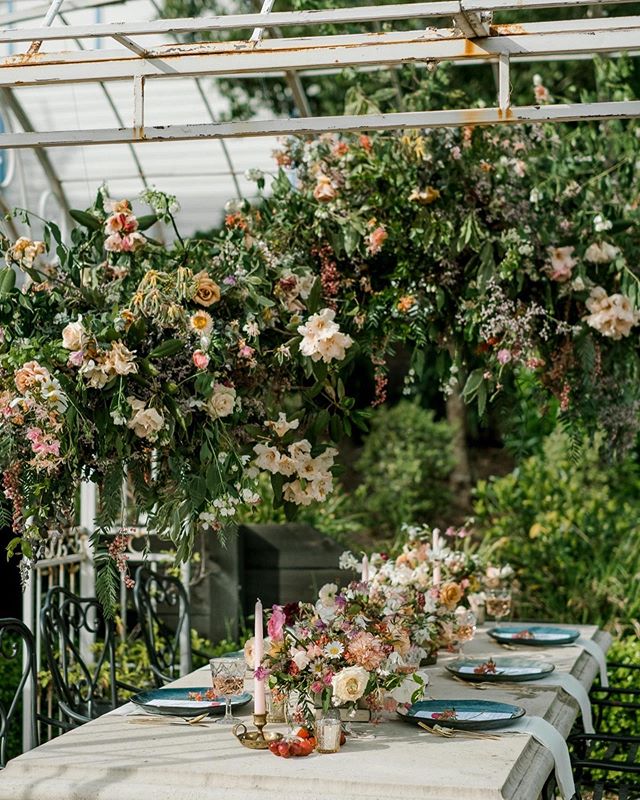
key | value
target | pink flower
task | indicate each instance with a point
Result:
(76, 358)
(261, 673)
(541, 93)
(276, 623)
(504, 356)
(456, 153)
(200, 359)
(562, 263)
(245, 351)
(317, 687)
(376, 239)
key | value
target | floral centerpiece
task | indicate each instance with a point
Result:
(344, 650)
(433, 580)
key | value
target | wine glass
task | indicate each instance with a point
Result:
(466, 622)
(498, 603)
(227, 677)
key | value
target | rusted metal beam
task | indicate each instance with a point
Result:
(286, 127)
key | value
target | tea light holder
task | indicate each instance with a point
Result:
(256, 739)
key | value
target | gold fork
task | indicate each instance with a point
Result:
(449, 733)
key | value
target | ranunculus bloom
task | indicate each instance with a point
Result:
(325, 189)
(349, 684)
(207, 290)
(200, 359)
(562, 263)
(276, 623)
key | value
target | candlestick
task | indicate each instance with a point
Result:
(259, 700)
(365, 569)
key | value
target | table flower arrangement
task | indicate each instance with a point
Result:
(344, 650)
(432, 579)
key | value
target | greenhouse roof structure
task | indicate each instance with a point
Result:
(112, 73)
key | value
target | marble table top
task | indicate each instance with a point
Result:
(118, 758)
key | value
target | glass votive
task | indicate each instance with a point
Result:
(276, 707)
(328, 734)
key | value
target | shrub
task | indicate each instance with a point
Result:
(404, 468)
(571, 529)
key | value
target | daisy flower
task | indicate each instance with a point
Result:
(333, 650)
(201, 322)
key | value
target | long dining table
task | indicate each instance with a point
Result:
(123, 756)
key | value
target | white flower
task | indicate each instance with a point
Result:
(300, 450)
(268, 457)
(145, 422)
(601, 253)
(327, 595)
(252, 329)
(254, 175)
(322, 338)
(611, 315)
(282, 425)
(222, 401)
(349, 561)
(294, 492)
(535, 196)
(299, 657)
(349, 684)
(74, 336)
(52, 392)
(601, 224)
(333, 649)
(117, 417)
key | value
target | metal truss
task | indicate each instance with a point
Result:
(472, 38)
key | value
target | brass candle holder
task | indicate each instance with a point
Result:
(257, 739)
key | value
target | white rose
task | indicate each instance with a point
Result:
(349, 684)
(300, 658)
(222, 401)
(74, 336)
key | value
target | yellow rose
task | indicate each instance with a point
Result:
(450, 594)
(207, 290)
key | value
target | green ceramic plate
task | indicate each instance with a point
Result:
(505, 669)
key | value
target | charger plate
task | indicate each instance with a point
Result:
(464, 715)
(180, 702)
(534, 635)
(507, 669)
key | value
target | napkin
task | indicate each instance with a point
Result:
(573, 687)
(544, 733)
(594, 649)
(122, 711)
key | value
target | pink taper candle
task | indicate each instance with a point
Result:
(435, 539)
(259, 705)
(436, 575)
(365, 569)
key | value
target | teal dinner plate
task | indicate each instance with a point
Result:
(181, 703)
(502, 668)
(469, 715)
(534, 635)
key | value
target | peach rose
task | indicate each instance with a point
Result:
(28, 374)
(450, 594)
(207, 290)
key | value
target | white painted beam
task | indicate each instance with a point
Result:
(336, 16)
(310, 125)
(295, 54)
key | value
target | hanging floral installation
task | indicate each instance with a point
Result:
(195, 367)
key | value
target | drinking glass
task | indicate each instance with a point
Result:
(498, 603)
(227, 677)
(466, 621)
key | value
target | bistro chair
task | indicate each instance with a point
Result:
(17, 644)
(79, 648)
(607, 763)
(154, 595)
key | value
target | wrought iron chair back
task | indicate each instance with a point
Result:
(17, 643)
(82, 674)
(155, 593)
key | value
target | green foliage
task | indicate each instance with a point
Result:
(10, 672)
(571, 529)
(624, 650)
(404, 468)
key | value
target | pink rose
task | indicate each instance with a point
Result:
(276, 623)
(200, 359)
(504, 356)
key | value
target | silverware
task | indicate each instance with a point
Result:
(450, 733)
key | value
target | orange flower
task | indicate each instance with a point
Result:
(406, 303)
(451, 594)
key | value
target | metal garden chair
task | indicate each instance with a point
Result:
(606, 763)
(17, 643)
(79, 648)
(155, 594)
